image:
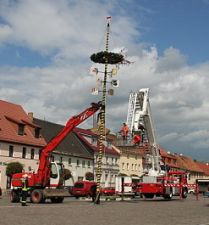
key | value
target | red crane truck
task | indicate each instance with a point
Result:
(48, 181)
(157, 180)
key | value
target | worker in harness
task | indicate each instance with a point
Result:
(124, 131)
(24, 192)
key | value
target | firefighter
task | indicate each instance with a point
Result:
(124, 131)
(137, 139)
(25, 189)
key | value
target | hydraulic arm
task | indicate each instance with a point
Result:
(43, 174)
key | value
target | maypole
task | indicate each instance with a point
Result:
(106, 58)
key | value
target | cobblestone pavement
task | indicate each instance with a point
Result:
(132, 212)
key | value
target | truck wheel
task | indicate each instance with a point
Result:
(57, 199)
(149, 195)
(14, 196)
(37, 196)
(168, 196)
(184, 193)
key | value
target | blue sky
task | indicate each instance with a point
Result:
(181, 24)
(44, 62)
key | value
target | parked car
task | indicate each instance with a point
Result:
(108, 191)
(206, 194)
(84, 189)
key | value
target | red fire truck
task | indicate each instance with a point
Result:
(48, 181)
(157, 179)
(173, 183)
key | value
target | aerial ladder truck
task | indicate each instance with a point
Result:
(48, 182)
(157, 179)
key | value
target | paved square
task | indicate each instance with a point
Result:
(133, 212)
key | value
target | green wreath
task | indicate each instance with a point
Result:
(107, 57)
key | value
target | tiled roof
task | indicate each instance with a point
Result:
(204, 167)
(166, 154)
(82, 133)
(12, 115)
(187, 163)
(136, 150)
(70, 145)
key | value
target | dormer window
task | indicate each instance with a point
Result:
(21, 129)
(37, 132)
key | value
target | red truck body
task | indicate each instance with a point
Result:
(174, 183)
(83, 188)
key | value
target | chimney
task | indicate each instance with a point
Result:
(30, 115)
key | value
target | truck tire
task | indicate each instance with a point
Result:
(57, 199)
(168, 196)
(37, 196)
(14, 196)
(184, 193)
(149, 195)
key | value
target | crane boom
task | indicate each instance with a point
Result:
(43, 173)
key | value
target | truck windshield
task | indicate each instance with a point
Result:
(79, 185)
(54, 172)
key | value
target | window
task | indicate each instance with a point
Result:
(132, 167)
(54, 172)
(24, 152)
(83, 163)
(21, 129)
(32, 153)
(69, 161)
(37, 132)
(123, 166)
(78, 162)
(11, 150)
(89, 163)
(80, 178)
(93, 141)
(127, 166)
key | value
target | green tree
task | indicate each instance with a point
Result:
(89, 176)
(13, 167)
(67, 174)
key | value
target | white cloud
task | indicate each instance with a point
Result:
(5, 32)
(69, 31)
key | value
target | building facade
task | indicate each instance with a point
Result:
(110, 158)
(71, 151)
(131, 161)
(20, 140)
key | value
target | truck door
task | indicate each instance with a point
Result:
(56, 176)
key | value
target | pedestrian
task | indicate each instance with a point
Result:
(124, 131)
(24, 192)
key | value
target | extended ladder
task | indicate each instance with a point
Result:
(139, 111)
